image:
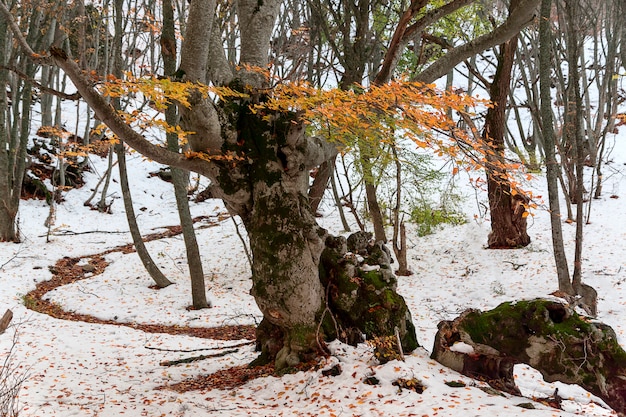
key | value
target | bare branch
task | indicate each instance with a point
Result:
(15, 29)
(41, 87)
(522, 16)
(109, 116)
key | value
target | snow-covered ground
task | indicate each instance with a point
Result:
(81, 369)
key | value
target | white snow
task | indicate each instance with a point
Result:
(83, 369)
(462, 347)
(369, 268)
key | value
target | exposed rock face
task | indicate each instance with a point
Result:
(545, 334)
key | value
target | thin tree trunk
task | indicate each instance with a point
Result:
(154, 271)
(375, 213)
(102, 203)
(399, 229)
(320, 183)
(342, 215)
(168, 52)
(573, 129)
(160, 280)
(545, 65)
(8, 213)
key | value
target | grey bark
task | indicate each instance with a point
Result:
(8, 189)
(523, 15)
(194, 262)
(15, 121)
(155, 273)
(545, 65)
(573, 131)
(147, 261)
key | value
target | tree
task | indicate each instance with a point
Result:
(508, 206)
(15, 115)
(11, 171)
(151, 267)
(196, 273)
(545, 65)
(258, 162)
(573, 139)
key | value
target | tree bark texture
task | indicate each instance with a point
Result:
(507, 207)
(12, 150)
(152, 268)
(320, 183)
(544, 334)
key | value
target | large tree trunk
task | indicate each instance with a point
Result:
(545, 334)
(507, 208)
(286, 245)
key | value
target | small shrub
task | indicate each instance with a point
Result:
(11, 379)
(428, 218)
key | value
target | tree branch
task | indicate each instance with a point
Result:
(109, 116)
(197, 358)
(517, 20)
(404, 32)
(41, 87)
(15, 29)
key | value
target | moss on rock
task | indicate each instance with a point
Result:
(362, 295)
(545, 334)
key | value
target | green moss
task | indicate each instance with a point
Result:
(502, 326)
(258, 143)
(373, 278)
(390, 299)
(346, 284)
(409, 341)
(302, 336)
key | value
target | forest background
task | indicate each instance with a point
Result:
(113, 38)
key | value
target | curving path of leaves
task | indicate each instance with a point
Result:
(67, 270)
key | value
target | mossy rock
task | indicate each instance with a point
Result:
(545, 334)
(362, 295)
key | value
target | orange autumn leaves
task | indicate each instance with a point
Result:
(377, 117)
(379, 114)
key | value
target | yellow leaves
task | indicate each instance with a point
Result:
(53, 131)
(160, 92)
(226, 157)
(377, 114)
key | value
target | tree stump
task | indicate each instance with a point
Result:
(547, 335)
